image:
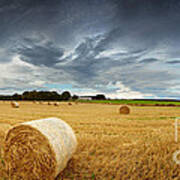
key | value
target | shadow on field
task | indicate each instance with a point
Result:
(68, 172)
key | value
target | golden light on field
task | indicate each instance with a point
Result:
(110, 146)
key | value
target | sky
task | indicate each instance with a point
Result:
(122, 48)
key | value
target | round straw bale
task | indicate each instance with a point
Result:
(14, 104)
(124, 110)
(35, 102)
(70, 104)
(56, 104)
(4, 127)
(40, 102)
(49, 103)
(39, 149)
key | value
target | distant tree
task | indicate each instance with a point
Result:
(99, 97)
(54, 95)
(75, 97)
(16, 97)
(39, 96)
(66, 95)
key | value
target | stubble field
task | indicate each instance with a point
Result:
(110, 146)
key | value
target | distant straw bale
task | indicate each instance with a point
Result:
(14, 104)
(56, 104)
(124, 110)
(39, 149)
(49, 103)
(40, 102)
(70, 104)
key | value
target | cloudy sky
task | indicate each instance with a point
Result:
(123, 48)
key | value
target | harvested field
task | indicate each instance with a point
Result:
(110, 146)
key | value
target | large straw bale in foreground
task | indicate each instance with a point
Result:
(15, 104)
(124, 110)
(39, 149)
(4, 127)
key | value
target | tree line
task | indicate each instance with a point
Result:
(46, 95)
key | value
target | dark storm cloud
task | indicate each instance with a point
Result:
(149, 60)
(147, 24)
(5, 55)
(173, 62)
(88, 65)
(39, 54)
(136, 7)
(60, 20)
(91, 43)
(87, 69)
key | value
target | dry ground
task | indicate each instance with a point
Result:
(111, 146)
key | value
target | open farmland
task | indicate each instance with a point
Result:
(110, 146)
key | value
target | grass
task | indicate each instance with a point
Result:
(131, 102)
(111, 146)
